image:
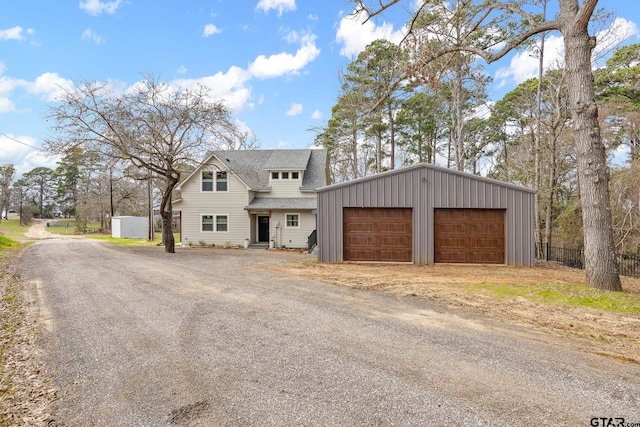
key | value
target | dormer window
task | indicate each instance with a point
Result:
(285, 175)
(295, 175)
(275, 175)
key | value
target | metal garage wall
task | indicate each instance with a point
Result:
(424, 187)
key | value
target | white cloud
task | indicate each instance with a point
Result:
(6, 105)
(23, 157)
(96, 7)
(280, 5)
(233, 86)
(285, 63)
(181, 69)
(7, 86)
(610, 38)
(14, 33)
(524, 66)
(49, 86)
(317, 114)
(229, 86)
(88, 34)
(283, 144)
(294, 110)
(210, 30)
(355, 34)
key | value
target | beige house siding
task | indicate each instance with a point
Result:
(231, 203)
(286, 188)
(291, 237)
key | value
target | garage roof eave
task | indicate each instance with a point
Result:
(425, 166)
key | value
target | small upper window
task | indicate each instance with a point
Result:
(274, 175)
(295, 175)
(221, 181)
(285, 175)
(207, 181)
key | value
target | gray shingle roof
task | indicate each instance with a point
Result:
(269, 203)
(252, 166)
(288, 159)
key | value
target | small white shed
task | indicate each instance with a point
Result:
(130, 227)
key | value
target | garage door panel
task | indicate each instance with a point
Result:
(360, 254)
(360, 241)
(469, 236)
(452, 257)
(387, 255)
(400, 242)
(395, 228)
(378, 234)
(452, 242)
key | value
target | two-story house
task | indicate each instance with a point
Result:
(265, 196)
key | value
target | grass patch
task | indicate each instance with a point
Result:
(11, 228)
(131, 242)
(6, 243)
(568, 295)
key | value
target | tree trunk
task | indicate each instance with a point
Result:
(551, 193)
(392, 137)
(166, 211)
(538, 136)
(601, 270)
(459, 122)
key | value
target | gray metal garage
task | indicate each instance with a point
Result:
(426, 214)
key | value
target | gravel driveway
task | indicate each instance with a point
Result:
(212, 337)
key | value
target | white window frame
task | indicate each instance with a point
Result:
(213, 222)
(286, 220)
(297, 178)
(210, 181)
(216, 182)
(274, 176)
(285, 175)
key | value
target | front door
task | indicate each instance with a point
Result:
(263, 229)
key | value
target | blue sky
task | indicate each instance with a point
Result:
(275, 62)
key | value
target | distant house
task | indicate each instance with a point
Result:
(264, 196)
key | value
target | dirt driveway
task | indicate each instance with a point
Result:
(134, 336)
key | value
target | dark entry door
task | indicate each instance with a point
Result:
(263, 229)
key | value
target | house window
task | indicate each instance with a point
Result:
(295, 175)
(293, 220)
(285, 175)
(207, 181)
(207, 222)
(222, 223)
(221, 181)
(274, 175)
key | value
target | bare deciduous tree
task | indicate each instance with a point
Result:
(152, 125)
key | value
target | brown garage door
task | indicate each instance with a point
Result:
(469, 235)
(377, 234)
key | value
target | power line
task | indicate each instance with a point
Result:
(20, 142)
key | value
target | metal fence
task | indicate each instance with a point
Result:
(628, 265)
